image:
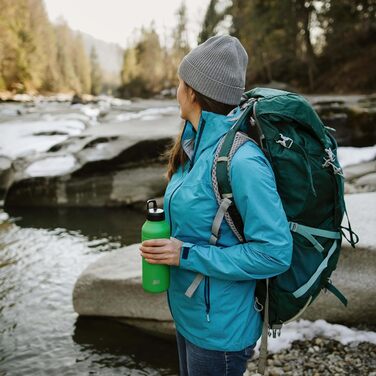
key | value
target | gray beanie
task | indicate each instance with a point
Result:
(216, 69)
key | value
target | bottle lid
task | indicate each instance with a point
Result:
(154, 213)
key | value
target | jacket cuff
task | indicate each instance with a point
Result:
(184, 254)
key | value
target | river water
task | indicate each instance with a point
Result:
(41, 256)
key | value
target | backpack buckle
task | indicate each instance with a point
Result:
(247, 103)
(329, 161)
(293, 226)
(285, 141)
(275, 330)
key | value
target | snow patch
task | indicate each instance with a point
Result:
(361, 208)
(149, 114)
(348, 155)
(307, 330)
(116, 102)
(89, 111)
(19, 139)
(53, 166)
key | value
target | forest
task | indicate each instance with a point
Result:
(325, 46)
(311, 46)
(37, 56)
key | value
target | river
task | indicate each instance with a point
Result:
(41, 256)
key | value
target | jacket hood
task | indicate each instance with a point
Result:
(210, 129)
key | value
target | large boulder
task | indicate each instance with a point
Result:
(111, 286)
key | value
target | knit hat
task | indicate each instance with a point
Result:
(216, 69)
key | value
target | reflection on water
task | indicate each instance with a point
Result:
(40, 334)
(118, 346)
(122, 225)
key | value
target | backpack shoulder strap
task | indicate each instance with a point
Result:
(226, 149)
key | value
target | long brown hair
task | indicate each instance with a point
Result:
(176, 155)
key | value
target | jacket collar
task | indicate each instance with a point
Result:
(210, 129)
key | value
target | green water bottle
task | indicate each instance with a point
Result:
(155, 278)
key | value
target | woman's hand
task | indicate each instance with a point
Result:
(162, 251)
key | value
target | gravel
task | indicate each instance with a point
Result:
(321, 356)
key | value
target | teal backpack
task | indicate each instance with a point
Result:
(310, 182)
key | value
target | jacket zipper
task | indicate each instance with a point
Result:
(207, 283)
(169, 217)
(169, 206)
(169, 304)
(207, 297)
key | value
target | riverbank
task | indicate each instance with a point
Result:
(54, 153)
(321, 357)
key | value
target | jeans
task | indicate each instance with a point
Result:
(196, 361)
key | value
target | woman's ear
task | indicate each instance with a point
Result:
(191, 95)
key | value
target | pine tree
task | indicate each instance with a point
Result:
(211, 20)
(129, 71)
(96, 75)
(82, 65)
(180, 46)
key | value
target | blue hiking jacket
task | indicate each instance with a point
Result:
(221, 315)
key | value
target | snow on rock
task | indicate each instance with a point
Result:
(22, 138)
(148, 114)
(3, 216)
(306, 330)
(52, 166)
(116, 102)
(348, 155)
(90, 111)
(361, 208)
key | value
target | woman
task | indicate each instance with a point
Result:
(218, 326)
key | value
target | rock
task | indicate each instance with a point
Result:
(368, 180)
(114, 164)
(355, 171)
(132, 185)
(6, 175)
(356, 268)
(355, 175)
(349, 188)
(77, 99)
(353, 118)
(111, 286)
